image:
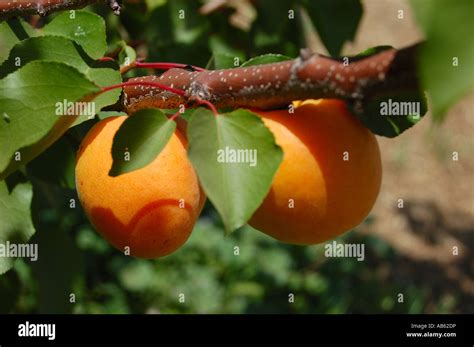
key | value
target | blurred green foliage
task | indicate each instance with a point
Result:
(178, 31)
(74, 259)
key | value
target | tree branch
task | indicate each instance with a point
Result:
(276, 85)
(13, 8)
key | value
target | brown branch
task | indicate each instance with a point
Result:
(13, 8)
(276, 85)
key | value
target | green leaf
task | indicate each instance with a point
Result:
(143, 135)
(103, 77)
(85, 28)
(235, 188)
(11, 33)
(62, 49)
(446, 24)
(16, 225)
(396, 104)
(335, 21)
(371, 51)
(28, 102)
(220, 60)
(224, 55)
(107, 114)
(52, 48)
(266, 59)
(127, 55)
(379, 114)
(185, 116)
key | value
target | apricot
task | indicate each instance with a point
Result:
(329, 178)
(151, 210)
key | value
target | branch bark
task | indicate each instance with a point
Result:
(13, 8)
(276, 85)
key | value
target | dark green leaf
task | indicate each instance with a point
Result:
(52, 48)
(56, 164)
(335, 21)
(386, 115)
(143, 136)
(11, 33)
(16, 225)
(235, 188)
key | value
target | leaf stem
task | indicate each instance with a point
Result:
(106, 59)
(174, 116)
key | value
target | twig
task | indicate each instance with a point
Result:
(276, 85)
(13, 8)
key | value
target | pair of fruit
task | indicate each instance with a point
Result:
(327, 183)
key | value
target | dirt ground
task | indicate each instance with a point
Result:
(437, 191)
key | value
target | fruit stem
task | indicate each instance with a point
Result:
(208, 104)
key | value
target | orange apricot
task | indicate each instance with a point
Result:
(329, 178)
(152, 211)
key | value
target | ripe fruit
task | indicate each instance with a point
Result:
(151, 210)
(329, 195)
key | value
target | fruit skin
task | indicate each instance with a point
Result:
(139, 209)
(330, 195)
